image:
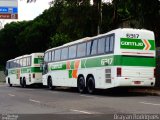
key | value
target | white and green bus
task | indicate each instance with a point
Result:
(122, 57)
(24, 70)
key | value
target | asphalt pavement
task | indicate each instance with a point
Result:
(65, 103)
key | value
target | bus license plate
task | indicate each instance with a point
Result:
(137, 82)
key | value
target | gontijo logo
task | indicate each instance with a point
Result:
(141, 44)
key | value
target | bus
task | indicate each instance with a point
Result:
(120, 58)
(24, 70)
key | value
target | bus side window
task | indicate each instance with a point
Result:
(14, 63)
(27, 59)
(17, 63)
(49, 56)
(101, 45)
(52, 55)
(24, 61)
(64, 54)
(57, 54)
(46, 57)
(72, 51)
(81, 50)
(94, 47)
(88, 48)
(29, 62)
(111, 44)
(20, 62)
(107, 44)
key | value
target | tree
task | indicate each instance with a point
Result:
(59, 39)
(69, 20)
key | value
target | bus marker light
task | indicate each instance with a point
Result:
(33, 75)
(119, 72)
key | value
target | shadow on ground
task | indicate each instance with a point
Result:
(114, 92)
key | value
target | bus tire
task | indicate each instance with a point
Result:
(50, 86)
(90, 85)
(81, 84)
(9, 83)
(24, 83)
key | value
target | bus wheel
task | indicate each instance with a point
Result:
(9, 83)
(81, 84)
(24, 83)
(90, 85)
(50, 86)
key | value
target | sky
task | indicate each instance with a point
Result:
(29, 11)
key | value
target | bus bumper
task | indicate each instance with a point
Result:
(132, 81)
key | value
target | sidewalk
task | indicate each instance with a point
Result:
(151, 91)
(2, 83)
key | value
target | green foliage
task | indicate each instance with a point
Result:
(69, 20)
(59, 39)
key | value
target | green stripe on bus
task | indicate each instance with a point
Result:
(58, 66)
(30, 70)
(134, 61)
(38, 60)
(26, 70)
(11, 71)
(116, 60)
(127, 43)
(36, 69)
(152, 43)
(97, 62)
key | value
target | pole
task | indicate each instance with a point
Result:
(99, 16)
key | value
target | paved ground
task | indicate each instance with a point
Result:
(61, 103)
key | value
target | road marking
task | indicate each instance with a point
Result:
(28, 89)
(89, 96)
(150, 103)
(53, 92)
(11, 95)
(80, 111)
(34, 101)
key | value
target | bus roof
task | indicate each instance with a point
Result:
(24, 56)
(94, 37)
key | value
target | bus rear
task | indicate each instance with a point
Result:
(134, 58)
(36, 75)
